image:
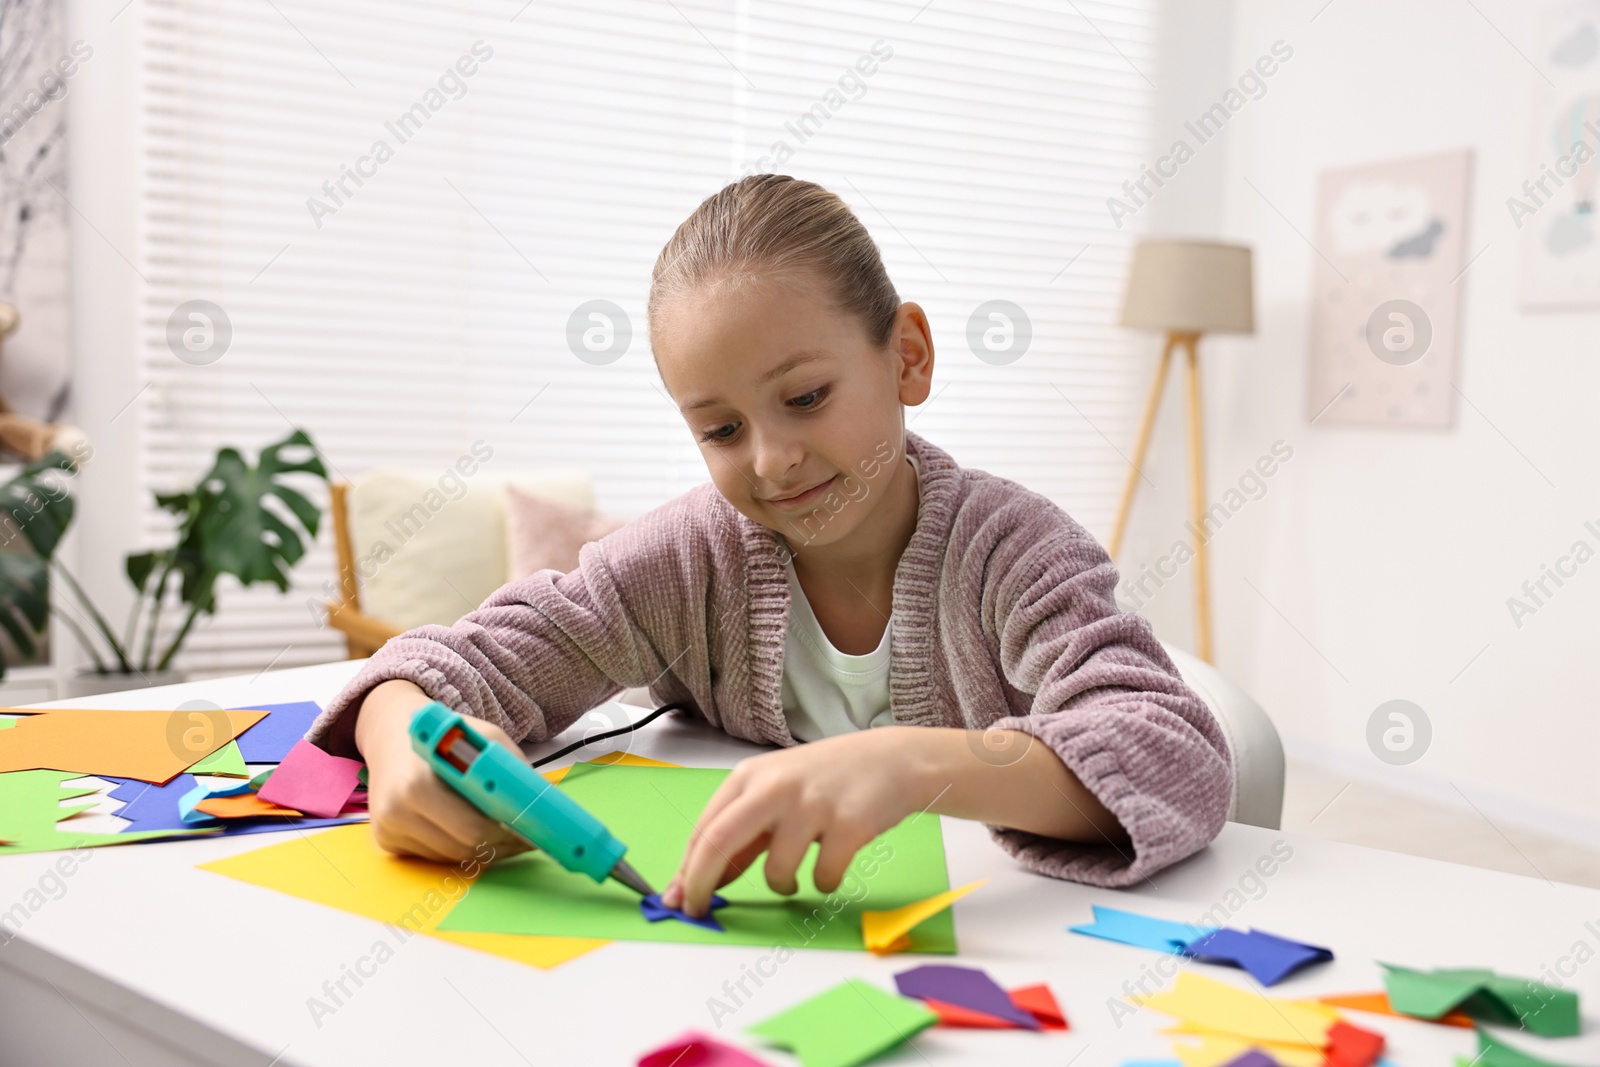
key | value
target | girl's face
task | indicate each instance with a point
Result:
(799, 416)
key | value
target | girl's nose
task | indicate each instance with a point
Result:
(774, 456)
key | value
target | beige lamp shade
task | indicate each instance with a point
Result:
(1190, 287)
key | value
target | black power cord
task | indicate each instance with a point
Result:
(618, 732)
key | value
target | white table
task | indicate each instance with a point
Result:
(146, 960)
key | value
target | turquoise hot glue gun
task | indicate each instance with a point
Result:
(499, 783)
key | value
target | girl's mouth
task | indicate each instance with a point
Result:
(810, 496)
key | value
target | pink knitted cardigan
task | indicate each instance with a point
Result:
(1003, 618)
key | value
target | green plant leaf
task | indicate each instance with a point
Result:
(237, 532)
(38, 507)
(140, 565)
(24, 600)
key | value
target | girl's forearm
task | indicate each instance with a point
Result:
(1008, 778)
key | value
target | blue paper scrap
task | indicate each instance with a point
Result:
(1269, 958)
(655, 911)
(1142, 931)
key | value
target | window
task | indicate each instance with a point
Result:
(399, 207)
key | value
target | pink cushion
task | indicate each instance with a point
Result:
(543, 534)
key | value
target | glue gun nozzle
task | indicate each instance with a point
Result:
(624, 873)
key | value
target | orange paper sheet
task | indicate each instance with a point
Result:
(243, 806)
(1378, 1004)
(152, 746)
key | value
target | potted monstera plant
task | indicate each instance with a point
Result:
(239, 519)
(35, 507)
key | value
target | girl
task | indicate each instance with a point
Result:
(942, 639)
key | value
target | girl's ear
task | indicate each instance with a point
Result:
(911, 344)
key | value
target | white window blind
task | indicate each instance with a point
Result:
(426, 306)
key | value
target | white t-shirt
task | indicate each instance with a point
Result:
(825, 691)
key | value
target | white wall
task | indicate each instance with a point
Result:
(1384, 558)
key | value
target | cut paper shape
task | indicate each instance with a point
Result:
(694, 1049)
(845, 1025)
(966, 987)
(242, 806)
(1378, 1004)
(153, 746)
(1269, 958)
(128, 788)
(655, 911)
(31, 815)
(1038, 1001)
(1141, 931)
(1254, 1058)
(1483, 995)
(1351, 1046)
(274, 737)
(956, 1015)
(653, 811)
(610, 759)
(312, 781)
(1496, 1053)
(155, 807)
(1225, 1009)
(226, 761)
(187, 804)
(345, 868)
(261, 779)
(886, 932)
(1219, 1050)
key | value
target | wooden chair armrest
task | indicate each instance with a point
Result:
(363, 634)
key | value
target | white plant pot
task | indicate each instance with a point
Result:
(92, 684)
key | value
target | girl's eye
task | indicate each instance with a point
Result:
(813, 398)
(717, 436)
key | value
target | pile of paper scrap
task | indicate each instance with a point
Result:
(190, 771)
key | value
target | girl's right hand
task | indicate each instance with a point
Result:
(413, 812)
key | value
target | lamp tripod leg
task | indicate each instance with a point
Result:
(1141, 445)
(1197, 505)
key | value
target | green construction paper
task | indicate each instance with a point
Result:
(1485, 995)
(1492, 1053)
(846, 1025)
(261, 779)
(652, 810)
(226, 760)
(361, 775)
(30, 811)
(7, 723)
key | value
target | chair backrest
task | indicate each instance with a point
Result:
(1258, 764)
(429, 548)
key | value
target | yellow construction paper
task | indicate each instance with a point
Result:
(627, 759)
(886, 932)
(1227, 1010)
(152, 746)
(1215, 1050)
(345, 868)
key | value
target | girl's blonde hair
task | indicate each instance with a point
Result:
(769, 224)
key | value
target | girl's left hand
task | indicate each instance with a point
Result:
(842, 791)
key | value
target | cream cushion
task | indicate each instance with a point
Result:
(430, 545)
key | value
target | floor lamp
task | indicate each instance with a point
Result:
(1184, 288)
